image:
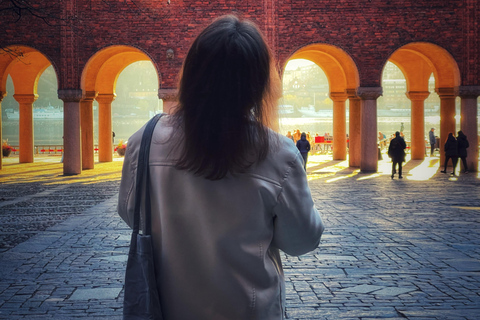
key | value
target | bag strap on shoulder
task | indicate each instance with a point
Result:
(143, 178)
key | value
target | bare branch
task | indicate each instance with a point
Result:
(21, 8)
(14, 53)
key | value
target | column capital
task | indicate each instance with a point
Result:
(417, 95)
(471, 92)
(25, 98)
(447, 92)
(168, 94)
(89, 95)
(352, 94)
(2, 95)
(105, 97)
(369, 93)
(70, 95)
(338, 96)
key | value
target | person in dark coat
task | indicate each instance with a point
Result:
(396, 151)
(433, 140)
(304, 147)
(451, 152)
(462, 144)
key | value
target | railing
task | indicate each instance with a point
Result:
(46, 149)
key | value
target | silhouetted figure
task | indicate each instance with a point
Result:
(304, 147)
(463, 144)
(396, 151)
(431, 137)
(451, 152)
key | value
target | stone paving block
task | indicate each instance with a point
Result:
(304, 313)
(335, 257)
(95, 293)
(469, 265)
(392, 291)
(440, 314)
(42, 242)
(117, 258)
(364, 288)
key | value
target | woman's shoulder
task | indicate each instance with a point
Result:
(282, 156)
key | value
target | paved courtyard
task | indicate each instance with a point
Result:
(393, 249)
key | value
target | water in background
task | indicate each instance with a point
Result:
(386, 125)
(50, 132)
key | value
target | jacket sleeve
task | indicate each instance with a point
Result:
(298, 225)
(126, 195)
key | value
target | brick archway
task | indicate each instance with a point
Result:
(98, 82)
(368, 31)
(343, 79)
(418, 61)
(25, 66)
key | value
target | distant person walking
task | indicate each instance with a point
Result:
(433, 140)
(451, 152)
(462, 144)
(304, 147)
(289, 136)
(396, 151)
(296, 135)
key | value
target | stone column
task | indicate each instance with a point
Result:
(169, 97)
(339, 126)
(417, 99)
(25, 102)
(469, 123)
(354, 135)
(447, 117)
(86, 109)
(2, 95)
(72, 142)
(105, 139)
(369, 145)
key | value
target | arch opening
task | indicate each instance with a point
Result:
(323, 108)
(429, 77)
(29, 82)
(120, 85)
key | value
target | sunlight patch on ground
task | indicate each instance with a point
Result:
(49, 170)
(467, 208)
(354, 173)
(370, 176)
(322, 166)
(384, 166)
(425, 170)
(333, 168)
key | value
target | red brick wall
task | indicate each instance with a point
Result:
(368, 30)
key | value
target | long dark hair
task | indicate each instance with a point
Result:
(227, 93)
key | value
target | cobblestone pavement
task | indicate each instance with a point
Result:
(396, 249)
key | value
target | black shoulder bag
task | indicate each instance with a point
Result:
(141, 299)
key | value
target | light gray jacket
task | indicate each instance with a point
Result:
(216, 242)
